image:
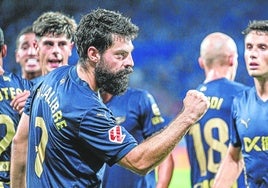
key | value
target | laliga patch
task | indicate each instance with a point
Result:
(115, 134)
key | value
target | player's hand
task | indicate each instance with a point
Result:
(195, 105)
(19, 101)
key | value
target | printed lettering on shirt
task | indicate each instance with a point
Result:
(258, 143)
(215, 102)
(9, 93)
(49, 95)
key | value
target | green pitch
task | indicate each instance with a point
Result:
(180, 179)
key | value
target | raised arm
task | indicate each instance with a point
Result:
(150, 153)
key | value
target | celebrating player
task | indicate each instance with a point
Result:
(71, 131)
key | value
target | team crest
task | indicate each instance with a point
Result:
(115, 134)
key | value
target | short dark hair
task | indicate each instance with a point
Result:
(97, 27)
(25, 30)
(256, 25)
(55, 23)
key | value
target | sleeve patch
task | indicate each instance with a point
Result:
(115, 134)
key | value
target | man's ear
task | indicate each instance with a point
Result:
(201, 62)
(71, 48)
(4, 50)
(231, 60)
(93, 54)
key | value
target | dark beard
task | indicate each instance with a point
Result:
(113, 83)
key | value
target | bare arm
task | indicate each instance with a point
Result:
(230, 168)
(19, 154)
(149, 154)
(165, 172)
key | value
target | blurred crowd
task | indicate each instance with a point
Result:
(167, 47)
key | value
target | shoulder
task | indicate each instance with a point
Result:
(244, 94)
(240, 86)
(17, 80)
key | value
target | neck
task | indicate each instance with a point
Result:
(215, 75)
(31, 75)
(88, 76)
(261, 85)
(106, 96)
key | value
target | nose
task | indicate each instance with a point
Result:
(56, 49)
(253, 53)
(32, 51)
(129, 61)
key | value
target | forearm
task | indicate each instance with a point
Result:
(19, 154)
(165, 172)
(153, 150)
(18, 165)
(229, 171)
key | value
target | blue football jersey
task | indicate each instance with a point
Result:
(71, 134)
(10, 85)
(249, 121)
(138, 112)
(207, 141)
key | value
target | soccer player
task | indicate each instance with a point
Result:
(137, 111)
(208, 140)
(54, 33)
(26, 54)
(54, 42)
(10, 85)
(249, 116)
(72, 133)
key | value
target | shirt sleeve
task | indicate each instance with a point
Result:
(152, 118)
(109, 141)
(234, 137)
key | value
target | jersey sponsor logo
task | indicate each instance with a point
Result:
(116, 135)
(245, 122)
(157, 120)
(258, 143)
(120, 120)
(62, 81)
(203, 88)
(6, 78)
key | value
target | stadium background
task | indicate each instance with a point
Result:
(166, 50)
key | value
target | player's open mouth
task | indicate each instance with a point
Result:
(32, 62)
(54, 63)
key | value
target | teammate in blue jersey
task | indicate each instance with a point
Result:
(249, 116)
(208, 140)
(26, 54)
(52, 39)
(137, 111)
(72, 133)
(10, 85)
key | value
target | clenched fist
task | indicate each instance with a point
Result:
(195, 105)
